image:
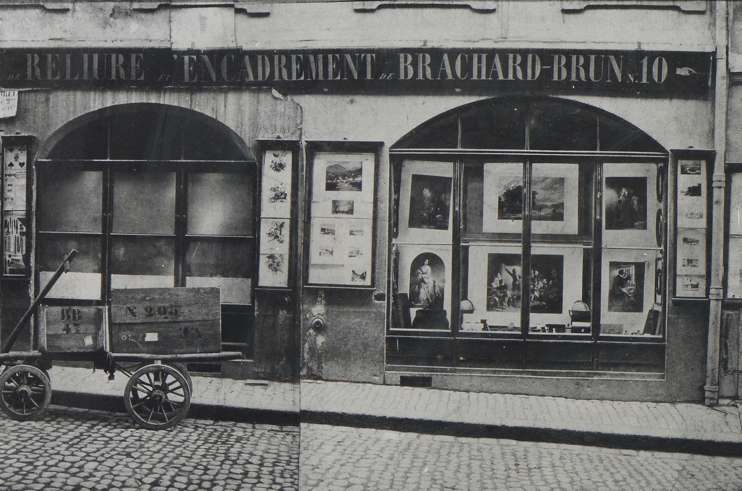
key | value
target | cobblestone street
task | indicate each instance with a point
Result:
(334, 457)
(76, 449)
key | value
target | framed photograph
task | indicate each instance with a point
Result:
(425, 285)
(630, 204)
(425, 209)
(276, 183)
(554, 192)
(629, 293)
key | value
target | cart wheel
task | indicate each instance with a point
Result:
(157, 397)
(181, 367)
(26, 392)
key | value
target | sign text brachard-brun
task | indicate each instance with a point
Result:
(635, 72)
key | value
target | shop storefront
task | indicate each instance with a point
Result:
(490, 209)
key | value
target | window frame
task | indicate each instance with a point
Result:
(459, 245)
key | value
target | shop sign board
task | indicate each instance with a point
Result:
(630, 72)
(165, 320)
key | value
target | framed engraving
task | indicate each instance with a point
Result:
(340, 242)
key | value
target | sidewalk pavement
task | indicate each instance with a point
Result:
(638, 425)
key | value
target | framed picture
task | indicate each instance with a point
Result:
(630, 204)
(629, 293)
(496, 290)
(340, 242)
(691, 223)
(425, 209)
(425, 285)
(554, 192)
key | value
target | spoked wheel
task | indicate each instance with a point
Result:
(157, 397)
(181, 367)
(26, 392)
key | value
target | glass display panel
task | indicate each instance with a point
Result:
(146, 135)
(221, 203)
(71, 201)
(500, 125)
(557, 126)
(223, 263)
(143, 202)
(83, 281)
(142, 262)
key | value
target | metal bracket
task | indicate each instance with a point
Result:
(686, 6)
(251, 8)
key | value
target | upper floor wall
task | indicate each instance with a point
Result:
(685, 25)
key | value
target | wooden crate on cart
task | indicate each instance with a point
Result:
(165, 321)
(72, 329)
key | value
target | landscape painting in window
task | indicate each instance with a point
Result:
(430, 202)
(625, 203)
(626, 292)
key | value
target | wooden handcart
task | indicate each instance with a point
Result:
(147, 334)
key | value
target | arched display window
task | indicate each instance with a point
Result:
(547, 216)
(150, 196)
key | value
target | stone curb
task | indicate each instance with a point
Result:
(203, 411)
(528, 433)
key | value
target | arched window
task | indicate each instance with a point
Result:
(150, 196)
(548, 217)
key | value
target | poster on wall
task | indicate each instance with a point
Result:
(275, 222)
(554, 198)
(342, 214)
(14, 215)
(425, 202)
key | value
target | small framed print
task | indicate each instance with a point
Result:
(340, 242)
(691, 193)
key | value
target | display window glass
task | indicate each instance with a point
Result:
(554, 240)
(144, 209)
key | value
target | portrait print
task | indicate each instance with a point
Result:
(430, 202)
(547, 287)
(427, 282)
(625, 203)
(344, 176)
(626, 292)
